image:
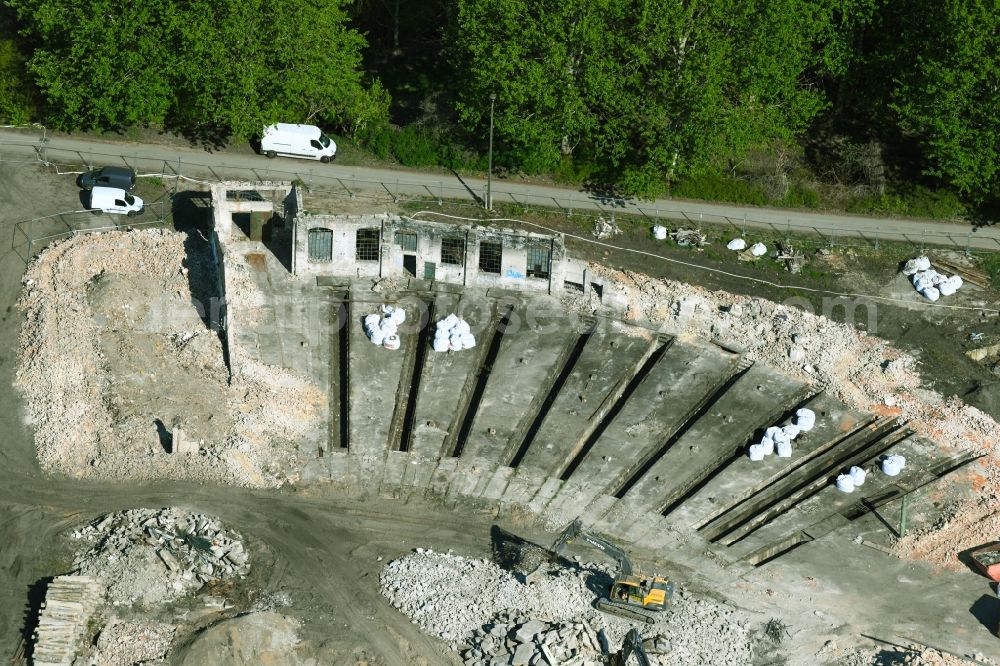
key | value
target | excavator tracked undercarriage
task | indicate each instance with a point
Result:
(632, 595)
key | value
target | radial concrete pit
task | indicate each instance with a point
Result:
(631, 410)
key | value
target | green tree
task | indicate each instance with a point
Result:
(948, 97)
(15, 95)
(103, 63)
(646, 90)
(210, 67)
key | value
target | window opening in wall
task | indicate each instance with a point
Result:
(490, 256)
(320, 245)
(452, 250)
(367, 245)
(538, 262)
(407, 241)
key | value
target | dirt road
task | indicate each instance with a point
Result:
(323, 550)
(240, 162)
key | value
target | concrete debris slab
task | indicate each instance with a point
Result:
(152, 556)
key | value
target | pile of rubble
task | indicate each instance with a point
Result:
(689, 237)
(114, 354)
(152, 556)
(126, 642)
(520, 641)
(486, 613)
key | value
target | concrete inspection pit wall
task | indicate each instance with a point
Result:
(552, 413)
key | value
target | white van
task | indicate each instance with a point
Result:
(114, 200)
(306, 141)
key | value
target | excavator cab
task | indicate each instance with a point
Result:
(651, 593)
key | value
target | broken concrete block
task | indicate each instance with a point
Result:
(523, 654)
(527, 631)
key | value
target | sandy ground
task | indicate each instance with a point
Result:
(324, 552)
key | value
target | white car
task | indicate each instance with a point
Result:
(114, 200)
(306, 141)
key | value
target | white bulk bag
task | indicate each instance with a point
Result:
(857, 475)
(772, 432)
(468, 341)
(756, 452)
(805, 419)
(372, 320)
(391, 342)
(784, 449)
(790, 431)
(660, 233)
(387, 309)
(397, 316)
(911, 267)
(377, 336)
(893, 465)
(388, 326)
(449, 321)
(930, 293)
(923, 263)
(845, 483)
(758, 249)
(768, 445)
(462, 327)
(441, 344)
(737, 244)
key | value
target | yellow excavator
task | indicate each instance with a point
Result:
(632, 594)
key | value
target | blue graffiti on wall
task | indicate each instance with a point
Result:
(511, 273)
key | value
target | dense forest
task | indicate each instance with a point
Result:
(866, 105)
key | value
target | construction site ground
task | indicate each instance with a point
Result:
(325, 552)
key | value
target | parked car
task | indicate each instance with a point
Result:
(114, 200)
(307, 141)
(110, 176)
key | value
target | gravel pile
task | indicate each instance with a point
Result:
(462, 601)
(865, 372)
(114, 354)
(127, 643)
(519, 640)
(149, 556)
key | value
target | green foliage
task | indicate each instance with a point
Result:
(15, 98)
(414, 147)
(713, 187)
(947, 98)
(648, 89)
(210, 67)
(800, 196)
(917, 201)
(991, 264)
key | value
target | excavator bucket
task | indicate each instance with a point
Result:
(518, 555)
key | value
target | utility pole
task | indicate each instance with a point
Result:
(489, 173)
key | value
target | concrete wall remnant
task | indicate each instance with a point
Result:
(428, 251)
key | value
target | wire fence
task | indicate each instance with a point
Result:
(162, 162)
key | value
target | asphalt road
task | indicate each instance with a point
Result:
(242, 163)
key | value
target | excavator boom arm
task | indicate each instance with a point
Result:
(575, 529)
